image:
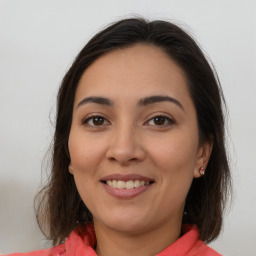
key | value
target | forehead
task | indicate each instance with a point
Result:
(135, 71)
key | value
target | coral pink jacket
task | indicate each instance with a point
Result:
(82, 240)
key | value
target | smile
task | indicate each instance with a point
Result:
(126, 186)
(130, 184)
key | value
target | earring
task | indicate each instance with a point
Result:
(201, 170)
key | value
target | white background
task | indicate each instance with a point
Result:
(38, 42)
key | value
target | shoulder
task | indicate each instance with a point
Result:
(54, 251)
(205, 250)
(198, 247)
(81, 240)
(189, 244)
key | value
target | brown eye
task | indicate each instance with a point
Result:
(95, 121)
(160, 121)
(98, 121)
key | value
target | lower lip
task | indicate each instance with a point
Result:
(126, 193)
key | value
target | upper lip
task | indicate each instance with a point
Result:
(126, 177)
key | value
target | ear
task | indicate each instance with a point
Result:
(203, 156)
(70, 168)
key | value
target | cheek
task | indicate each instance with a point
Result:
(176, 153)
(175, 162)
(85, 153)
(85, 156)
(175, 158)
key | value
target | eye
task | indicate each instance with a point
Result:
(95, 121)
(160, 121)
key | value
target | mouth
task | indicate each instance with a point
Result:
(130, 184)
(126, 186)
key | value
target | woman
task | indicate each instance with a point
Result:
(139, 163)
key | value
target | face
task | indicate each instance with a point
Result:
(134, 143)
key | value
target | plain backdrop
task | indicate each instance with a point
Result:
(38, 42)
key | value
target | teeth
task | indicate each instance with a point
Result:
(136, 183)
(109, 182)
(120, 184)
(129, 184)
(114, 183)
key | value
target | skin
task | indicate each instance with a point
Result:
(128, 139)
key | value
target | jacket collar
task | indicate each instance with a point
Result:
(82, 241)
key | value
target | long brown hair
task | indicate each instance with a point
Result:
(59, 206)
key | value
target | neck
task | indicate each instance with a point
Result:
(114, 243)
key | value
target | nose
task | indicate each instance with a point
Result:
(126, 146)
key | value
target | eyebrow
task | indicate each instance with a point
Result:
(141, 103)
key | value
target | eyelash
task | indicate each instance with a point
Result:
(169, 121)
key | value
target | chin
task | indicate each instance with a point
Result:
(128, 227)
(124, 223)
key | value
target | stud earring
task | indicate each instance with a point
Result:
(201, 170)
